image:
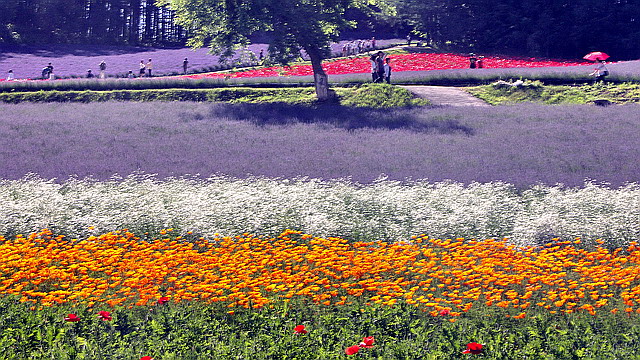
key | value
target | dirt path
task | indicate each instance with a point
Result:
(445, 95)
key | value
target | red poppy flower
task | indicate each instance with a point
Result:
(367, 342)
(104, 315)
(473, 348)
(163, 300)
(444, 312)
(72, 318)
(351, 350)
(299, 329)
(146, 358)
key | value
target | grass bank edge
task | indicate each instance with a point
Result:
(502, 93)
(366, 95)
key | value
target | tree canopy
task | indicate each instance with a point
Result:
(291, 25)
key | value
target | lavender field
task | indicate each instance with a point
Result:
(522, 145)
(74, 60)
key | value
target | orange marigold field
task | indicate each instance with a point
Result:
(443, 277)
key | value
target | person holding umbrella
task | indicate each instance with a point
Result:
(600, 71)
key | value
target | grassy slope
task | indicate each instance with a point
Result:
(368, 95)
(549, 94)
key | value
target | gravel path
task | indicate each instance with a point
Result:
(445, 95)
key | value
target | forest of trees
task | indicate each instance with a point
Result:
(552, 28)
(113, 22)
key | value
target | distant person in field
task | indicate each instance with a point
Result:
(600, 71)
(130, 75)
(47, 72)
(10, 75)
(90, 74)
(185, 65)
(387, 70)
(473, 61)
(142, 68)
(149, 67)
(261, 56)
(409, 40)
(373, 43)
(374, 67)
(103, 68)
(51, 75)
(380, 65)
(480, 62)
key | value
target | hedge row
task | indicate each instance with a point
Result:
(290, 95)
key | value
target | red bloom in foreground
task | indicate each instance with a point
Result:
(367, 342)
(445, 312)
(351, 350)
(473, 348)
(104, 315)
(72, 318)
(299, 329)
(163, 300)
(146, 358)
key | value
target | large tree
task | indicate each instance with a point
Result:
(292, 25)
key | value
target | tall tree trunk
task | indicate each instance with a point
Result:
(320, 78)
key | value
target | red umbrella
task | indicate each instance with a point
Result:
(596, 55)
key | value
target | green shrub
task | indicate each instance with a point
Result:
(379, 96)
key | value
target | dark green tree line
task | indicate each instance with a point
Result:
(558, 28)
(133, 22)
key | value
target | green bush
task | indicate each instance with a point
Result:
(369, 95)
(379, 96)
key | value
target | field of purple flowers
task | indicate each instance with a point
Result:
(75, 60)
(522, 144)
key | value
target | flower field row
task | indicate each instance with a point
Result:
(399, 62)
(442, 277)
(385, 210)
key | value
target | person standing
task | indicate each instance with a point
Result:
(480, 62)
(374, 67)
(149, 67)
(50, 74)
(142, 68)
(387, 70)
(373, 43)
(380, 65)
(185, 66)
(472, 61)
(409, 40)
(103, 68)
(10, 75)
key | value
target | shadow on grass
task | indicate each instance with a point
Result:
(344, 117)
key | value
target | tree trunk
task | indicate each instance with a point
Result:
(320, 78)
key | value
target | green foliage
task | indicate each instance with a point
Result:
(509, 93)
(370, 95)
(204, 331)
(379, 96)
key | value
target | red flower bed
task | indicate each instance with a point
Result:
(401, 62)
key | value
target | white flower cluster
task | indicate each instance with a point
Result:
(383, 210)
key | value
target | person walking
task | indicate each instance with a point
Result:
(185, 65)
(10, 75)
(387, 70)
(149, 67)
(142, 68)
(103, 68)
